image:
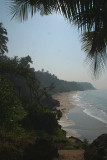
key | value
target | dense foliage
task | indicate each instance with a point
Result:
(11, 110)
(56, 85)
(26, 108)
(34, 98)
(28, 117)
(98, 149)
(45, 146)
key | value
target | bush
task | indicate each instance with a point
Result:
(43, 149)
(40, 118)
(85, 144)
(11, 110)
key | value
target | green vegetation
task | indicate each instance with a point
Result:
(55, 85)
(75, 143)
(97, 150)
(85, 143)
(41, 149)
(28, 115)
(11, 110)
(26, 110)
(28, 119)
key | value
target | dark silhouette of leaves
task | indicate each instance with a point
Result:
(3, 40)
(90, 16)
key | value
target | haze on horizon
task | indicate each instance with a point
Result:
(53, 45)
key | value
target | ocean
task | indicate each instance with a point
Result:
(90, 114)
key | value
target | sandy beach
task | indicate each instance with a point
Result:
(77, 123)
(65, 107)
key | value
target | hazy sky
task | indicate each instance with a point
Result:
(52, 43)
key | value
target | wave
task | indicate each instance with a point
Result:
(94, 109)
(76, 97)
(65, 123)
(98, 114)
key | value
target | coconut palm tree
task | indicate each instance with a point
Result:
(94, 44)
(89, 15)
(3, 40)
(83, 13)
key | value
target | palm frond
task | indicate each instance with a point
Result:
(3, 40)
(94, 44)
(89, 15)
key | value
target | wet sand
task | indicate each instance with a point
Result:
(65, 107)
(87, 126)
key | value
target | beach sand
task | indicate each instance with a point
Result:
(65, 107)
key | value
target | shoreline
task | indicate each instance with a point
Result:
(65, 107)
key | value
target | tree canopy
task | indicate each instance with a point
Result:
(11, 110)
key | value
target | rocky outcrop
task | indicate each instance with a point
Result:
(98, 149)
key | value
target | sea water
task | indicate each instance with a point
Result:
(90, 114)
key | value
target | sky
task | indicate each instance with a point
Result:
(53, 44)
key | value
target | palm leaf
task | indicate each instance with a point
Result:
(89, 15)
(3, 40)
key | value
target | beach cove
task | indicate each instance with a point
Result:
(76, 121)
(65, 107)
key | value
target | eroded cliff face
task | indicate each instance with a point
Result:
(98, 149)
